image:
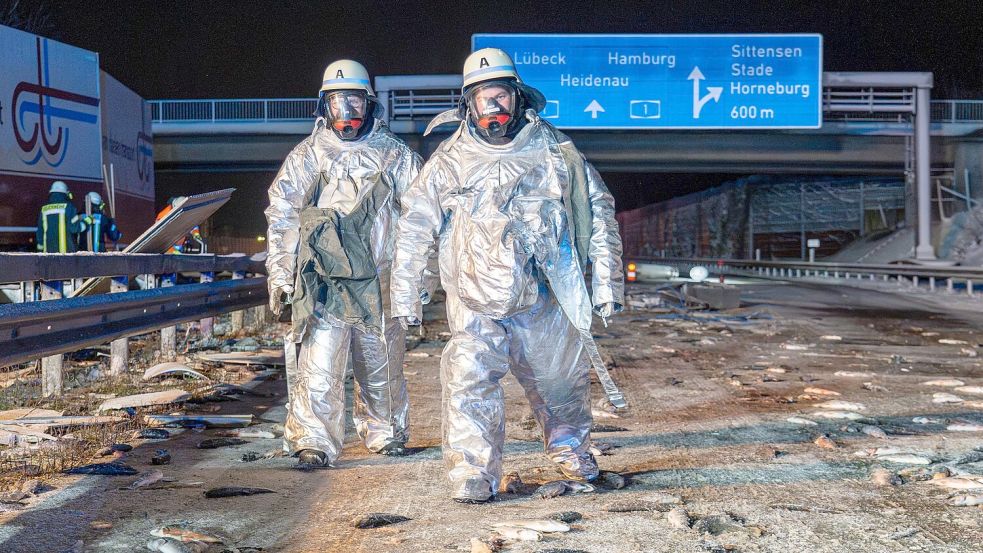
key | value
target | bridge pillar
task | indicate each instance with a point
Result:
(923, 166)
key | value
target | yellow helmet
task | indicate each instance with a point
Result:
(347, 75)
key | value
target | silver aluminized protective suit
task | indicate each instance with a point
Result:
(516, 293)
(345, 173)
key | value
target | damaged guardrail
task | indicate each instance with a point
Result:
(933, 275)
(55, 325)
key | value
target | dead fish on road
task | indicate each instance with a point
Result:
(977, 390)
(213, 443)
(965, 427)
(802, 421)
(607, 428)
(967, 501)
(377, 520)
(678, 518)
(820, 391)
(235, 491)
(557, 488)
(840, 405)
(545, 526)
(905, 459)
(927, 420)
(940, 397)
(945, 382)
(610, 480)
(161, 457)
(873, 431)
(246, 433)
(184, 535)
(825, 442)
(884, 477)
(636, 505)
(848, 415)
(105, 469)
(518, 534)
(147, 479)
(164, 545)
(958, 483)
(599, 414)
(566, 516)
(153, 434)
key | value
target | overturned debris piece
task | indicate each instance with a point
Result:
(945, 382)
(545, 526)
(518, 534)
(610, 480)
(678, 518)
(566, 516)
(161, 457)
(215, 443)
(209, 421)
(12, 434)
(183, 534)
(377, 520)
(940, 397)
(146, 479)
(884, 477)
(143, 400)
(152, 434)
(831, 338)
(169, 369)
(101, 525)
(234, 491)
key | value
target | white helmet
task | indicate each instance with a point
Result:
(493, 64)
(58, 186)
(94, 198)
(347, 75)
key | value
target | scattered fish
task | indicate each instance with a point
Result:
(965, 427)
(873, 431)
(161, 457)
(519, 534)
(105, 469)
(147, 479)
(607, 428)
(906, 459)
(796, 347)
(884, 477)
(599, 414)
(802, 421)
(153, 434)
(214, 443)
(377, 520)
(234, 491)
(940, 397)
(958, 483)
(878, 451)
(849, 415)
(831, 338)
(610, 480)
(967, 501)
(33, 486)
(825, 442)
(946, 382)
(974, 404)
(927, 420)
(903, 533)
(101, 525)
(13, 497)
(557, 488)
(974, 456)
(853, 374)
(478, 546)
(678, 518)
(718, 524)
(820, 391)
(839, 405)
(246, 433)
(874, 387)
(512, 483)
(545, 526)
(663, 498)
(184, 535)
(951, 342)
(978, 390)
(566, 516)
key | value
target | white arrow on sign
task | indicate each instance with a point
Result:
(714, 92)
(593, 107)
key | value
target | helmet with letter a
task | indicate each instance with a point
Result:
(347, 100)
(493, 94)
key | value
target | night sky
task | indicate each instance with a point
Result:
(242, 49)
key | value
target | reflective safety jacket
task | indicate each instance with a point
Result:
(101, 228)
(59, 225)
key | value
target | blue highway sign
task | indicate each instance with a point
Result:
(671, 81)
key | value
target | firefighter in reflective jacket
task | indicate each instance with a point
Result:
(59, 224)
(193, 242)
(103, 226)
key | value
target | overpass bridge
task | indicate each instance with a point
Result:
(866, 130)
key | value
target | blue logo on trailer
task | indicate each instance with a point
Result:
(671, 81)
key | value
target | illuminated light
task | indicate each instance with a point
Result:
(631, 267)
(261, 239)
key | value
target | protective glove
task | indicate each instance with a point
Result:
(280, 298)
(408, 321)
(605, 310)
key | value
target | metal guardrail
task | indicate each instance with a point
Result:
(39, 329)
(55, 325)
(913, 274)
(411, 103)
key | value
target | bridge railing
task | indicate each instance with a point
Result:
(233, 110)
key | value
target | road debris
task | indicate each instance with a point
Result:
(161, 457)
(234, 491)
(170, 369)
(820, 391)
(839, 405)
(607, 428)
(566, 516)
(965, 427)
(209, 421)
(959, 482)
(377, 520)
(802, 421)
(940, 397)
(143, 400)
(945, 382)
(518, 534)
(884, 477)
(905, 459)
(610, 480)
(967, 501)
(183, 534)
(848, 415)
(545, 526)
(978, 390)
(152, 434)
(247, 433)
(104, 469)
(557, 488)
(825, 442)
(164, 545)
(215, 443)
